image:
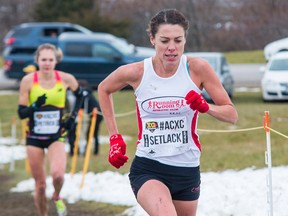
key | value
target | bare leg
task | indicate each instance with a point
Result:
(57, 160)
(186, 208)
(36, 158)
(155, 199)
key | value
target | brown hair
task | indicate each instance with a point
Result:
(167, 16)
(57, 51)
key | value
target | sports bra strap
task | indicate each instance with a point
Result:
(187, 66)
(57, 75)
(35, 78)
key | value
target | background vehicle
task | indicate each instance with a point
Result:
(93, 57)
(22, 41)
(26, 37)
(275, 47)
(274, 83)
(219, 63)
(90, 56)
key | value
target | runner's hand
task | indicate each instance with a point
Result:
(41, 100)
(196, 102)
(117, 157)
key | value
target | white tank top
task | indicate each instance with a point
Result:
(167, 126)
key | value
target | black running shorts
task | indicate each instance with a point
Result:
(183, 182)
(45, 143)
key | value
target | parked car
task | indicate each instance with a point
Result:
(274, 83)
(21, 42)
(93, 57)
(275, 47)
(220, 65)
(30, 35)
(90, 57)
(146, 51)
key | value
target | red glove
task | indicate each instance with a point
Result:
(117, 151)
(196, 102)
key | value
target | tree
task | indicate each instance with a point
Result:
(51, 10)
(83, 12)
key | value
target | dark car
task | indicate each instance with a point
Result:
(93, 57)
(21, 42)
(30, 35)
(90, 57)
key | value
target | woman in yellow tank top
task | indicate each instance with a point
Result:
(42, 100)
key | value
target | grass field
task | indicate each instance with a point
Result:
(220, 150)
(247, 57)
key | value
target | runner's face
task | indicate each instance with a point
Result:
(46, 60)
(169, 43)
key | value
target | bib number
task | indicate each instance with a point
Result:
(46, 122)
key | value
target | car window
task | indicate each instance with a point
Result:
(22, 51)
(279, 64)
(123, 46)
(68, 29)
(78, 49)
(102, 50)
(224, 65)
(50, 32)
(19, 32)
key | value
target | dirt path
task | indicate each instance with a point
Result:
(21, 204)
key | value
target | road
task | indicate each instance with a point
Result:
(244, 75)
(7, 84)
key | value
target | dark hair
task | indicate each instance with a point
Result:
(167, 16)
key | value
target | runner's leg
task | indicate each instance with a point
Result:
(36, 158)
(155, 199)
(186, 208)
(57, 160)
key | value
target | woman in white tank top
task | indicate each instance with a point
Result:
(168, 90)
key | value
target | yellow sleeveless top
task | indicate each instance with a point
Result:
(56, 96)
(46, 122)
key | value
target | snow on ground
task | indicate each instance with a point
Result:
(237, 193)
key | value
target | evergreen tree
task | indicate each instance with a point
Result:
(82, 12)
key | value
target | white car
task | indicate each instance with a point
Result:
(219, 63)
(274, 83)
(275, 47)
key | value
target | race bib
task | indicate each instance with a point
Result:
(165, 137)
(46, 122)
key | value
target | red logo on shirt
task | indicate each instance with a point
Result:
(165, 105)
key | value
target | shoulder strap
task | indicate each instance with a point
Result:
(57, 75)
(187, 66)
(35, 77)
